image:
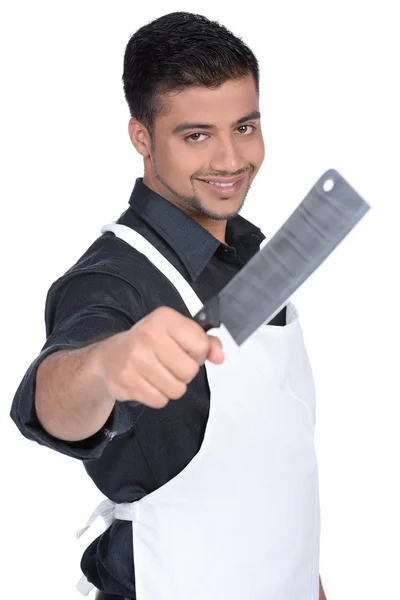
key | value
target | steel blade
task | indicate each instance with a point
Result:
(263, 286)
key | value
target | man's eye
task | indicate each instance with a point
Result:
(195, 137)
(246, 129)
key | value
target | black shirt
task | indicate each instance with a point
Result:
(109, 289)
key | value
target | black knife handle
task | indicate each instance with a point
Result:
(209, 316)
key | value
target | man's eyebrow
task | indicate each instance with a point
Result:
(187, 126)
(190, 126)
(255, 115)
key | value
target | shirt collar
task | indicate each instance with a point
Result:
(193, 244)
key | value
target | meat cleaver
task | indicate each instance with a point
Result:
(263, 286)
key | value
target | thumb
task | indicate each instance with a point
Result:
(216, 353)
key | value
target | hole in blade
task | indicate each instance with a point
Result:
(328, 185)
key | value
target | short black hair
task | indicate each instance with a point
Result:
(181, 50)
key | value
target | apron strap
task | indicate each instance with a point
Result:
(107, 509)
(137, 241)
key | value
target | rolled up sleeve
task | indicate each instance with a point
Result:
(80, 310)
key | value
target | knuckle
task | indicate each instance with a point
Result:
(145, 337)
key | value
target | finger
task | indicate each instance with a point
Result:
(158, 375)
(178, 362)
(192, 339)
(147, 394)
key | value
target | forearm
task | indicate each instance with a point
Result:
(71, 399)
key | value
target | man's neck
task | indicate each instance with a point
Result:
(215, 227)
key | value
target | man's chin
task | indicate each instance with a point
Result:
(223, 209)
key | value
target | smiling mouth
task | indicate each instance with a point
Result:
(223, 188)
(220, 184)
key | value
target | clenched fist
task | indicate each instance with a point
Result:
(154, 361)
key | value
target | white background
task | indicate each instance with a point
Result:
(330, 98)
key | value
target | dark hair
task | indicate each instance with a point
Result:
(177, 51)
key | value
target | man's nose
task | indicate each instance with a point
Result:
(226, 157)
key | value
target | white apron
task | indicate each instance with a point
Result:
(241, 521)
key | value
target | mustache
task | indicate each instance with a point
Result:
(222, 173)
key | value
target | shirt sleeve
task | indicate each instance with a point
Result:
(80, 310)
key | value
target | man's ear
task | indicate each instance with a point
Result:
(140, 137)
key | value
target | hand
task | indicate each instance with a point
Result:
(155, 360)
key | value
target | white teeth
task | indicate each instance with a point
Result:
(221, 184)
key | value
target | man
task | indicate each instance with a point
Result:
(204, 449)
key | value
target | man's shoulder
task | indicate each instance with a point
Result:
(112, 265)
(109, 254)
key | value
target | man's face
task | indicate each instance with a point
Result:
(207, 148)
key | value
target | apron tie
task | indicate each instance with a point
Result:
(105, 509)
